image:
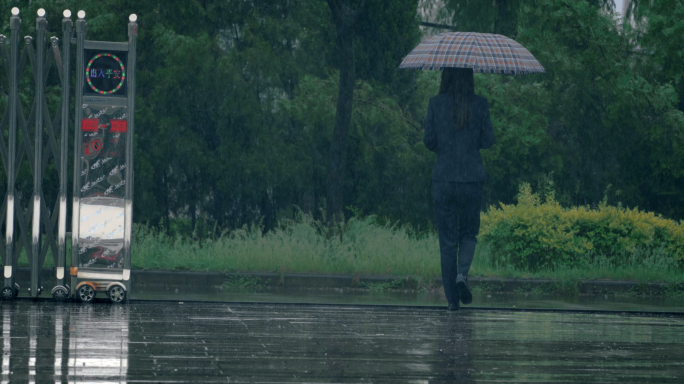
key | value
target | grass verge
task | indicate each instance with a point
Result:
(366, 248)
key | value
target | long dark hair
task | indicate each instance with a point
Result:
(460, 85)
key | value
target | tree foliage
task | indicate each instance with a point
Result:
(603, 117)
(236, 103)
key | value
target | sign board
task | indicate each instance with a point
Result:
(103, 179)
(103, 185)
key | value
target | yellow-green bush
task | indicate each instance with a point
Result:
(534, 234)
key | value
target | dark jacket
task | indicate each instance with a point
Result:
(458, 152)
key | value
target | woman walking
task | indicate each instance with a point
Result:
(456, 128)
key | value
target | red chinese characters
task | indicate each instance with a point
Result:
(89, 125)
(118, 125)
(92, 125)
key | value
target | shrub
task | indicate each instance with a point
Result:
(535, 235)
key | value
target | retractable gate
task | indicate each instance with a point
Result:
(102, 196)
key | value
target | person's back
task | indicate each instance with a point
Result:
(458, 151)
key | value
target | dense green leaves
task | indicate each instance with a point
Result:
(609, 120)
(237, 99)
(604, 113)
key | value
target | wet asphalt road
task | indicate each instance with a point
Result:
(616, 303)
(269, 343)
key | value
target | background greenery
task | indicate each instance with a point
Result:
(528, 239)
(236, 104)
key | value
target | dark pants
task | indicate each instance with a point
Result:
(457, 211)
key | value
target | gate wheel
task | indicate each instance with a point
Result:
(116, 294)
(60, 294)
(86, 293)
(7, 293)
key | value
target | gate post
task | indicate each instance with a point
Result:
(81, 26)
(9, 290)
(61, 291)
(36, 265)
(132, 39)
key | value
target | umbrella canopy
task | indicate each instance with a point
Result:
(483, 52)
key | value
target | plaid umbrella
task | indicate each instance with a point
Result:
(483, 52)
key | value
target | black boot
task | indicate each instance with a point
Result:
(462, 287)
(456, 304)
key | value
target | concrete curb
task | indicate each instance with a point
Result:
(194, 281)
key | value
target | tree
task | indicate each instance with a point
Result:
(238, 103)
(498, 16)
(610, 122)
(344, 18)
(660, 34)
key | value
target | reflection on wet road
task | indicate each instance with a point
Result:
(227, 342)
(48, 342)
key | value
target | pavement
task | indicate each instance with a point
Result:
(205, 342)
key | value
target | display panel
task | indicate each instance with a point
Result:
(101, 224)
(105, 73)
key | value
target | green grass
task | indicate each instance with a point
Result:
(303, 247)
(365, 248)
